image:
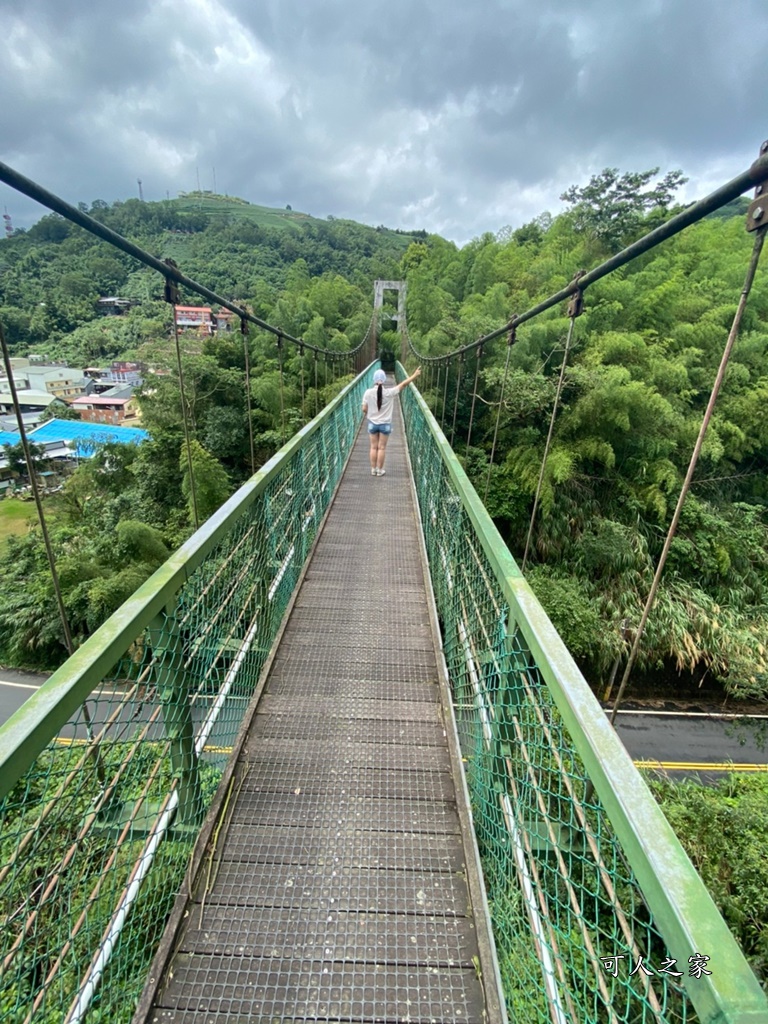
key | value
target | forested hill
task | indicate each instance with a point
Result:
(645, 355)
(639, 375)
(52, 274)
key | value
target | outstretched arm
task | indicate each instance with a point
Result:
(404, 384)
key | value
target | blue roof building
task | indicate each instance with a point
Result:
(65, 441)
(83, 438)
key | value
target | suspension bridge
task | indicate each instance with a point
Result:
(333, 762)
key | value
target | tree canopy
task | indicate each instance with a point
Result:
(643, 360)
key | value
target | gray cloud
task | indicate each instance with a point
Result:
(415, 113)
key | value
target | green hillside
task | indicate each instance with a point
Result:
(220, 207)
(226, 207)
(287, 234)
(635, 387)
(638, 378)
(52, 275)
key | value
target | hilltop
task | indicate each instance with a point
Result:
(52, 275)
(224, 207)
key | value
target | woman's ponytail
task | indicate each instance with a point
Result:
(379, 393)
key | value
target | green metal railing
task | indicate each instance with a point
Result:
(598, 914)
(107, 772)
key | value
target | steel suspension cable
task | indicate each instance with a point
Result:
(36, 492)
(33, 482)
(172, 296)
(247, 354)
(303, 413)
(574, 311)
(459, 375)
(168, 269)
(754, 175)
(474, 396)
(750, 276)
(510, 343)
(445, 399)
(282, 398)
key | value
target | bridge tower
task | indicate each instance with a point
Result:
(378, 304)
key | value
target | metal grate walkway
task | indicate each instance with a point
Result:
(341, 890)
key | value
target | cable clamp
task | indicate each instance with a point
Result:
(171, 290)
(757, 211)
(576, 305)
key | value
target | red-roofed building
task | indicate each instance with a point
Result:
(198, 318)
(99, 409)
(203, 319)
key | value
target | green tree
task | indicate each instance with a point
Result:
(723, 829)
(17, 462)
(612, 206)
(212, 486)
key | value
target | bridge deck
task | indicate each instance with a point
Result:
(341, 891)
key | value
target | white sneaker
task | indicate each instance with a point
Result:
(374, 472)
(381, 472)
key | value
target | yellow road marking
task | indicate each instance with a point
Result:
(78, 741)
(702, 766)
(671, 766)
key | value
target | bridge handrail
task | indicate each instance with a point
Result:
(26, 733)
(109, 769)
(683, 910)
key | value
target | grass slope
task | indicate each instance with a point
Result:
(230, 207)
(14, 518)
(220, 207)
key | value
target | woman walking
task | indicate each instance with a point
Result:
(378, 403)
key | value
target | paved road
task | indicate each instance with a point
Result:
(683, 743)
(15, 687)
(680, 743)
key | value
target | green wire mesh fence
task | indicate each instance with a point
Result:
(108, 772)
(597, 913)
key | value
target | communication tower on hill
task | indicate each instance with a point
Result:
(141, 190)
(8, 224)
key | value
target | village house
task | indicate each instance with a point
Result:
(113, 407)
(119, 372)
(203, 319)
(63, 444)
(197, 318)
(63, 382)
(32, 404)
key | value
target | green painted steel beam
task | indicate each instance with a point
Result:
(30, 729)
(683, 910)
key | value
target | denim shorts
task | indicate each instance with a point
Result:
(379, 428)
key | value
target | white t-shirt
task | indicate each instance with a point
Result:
(384, 414)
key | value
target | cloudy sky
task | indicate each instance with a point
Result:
(458, 116)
